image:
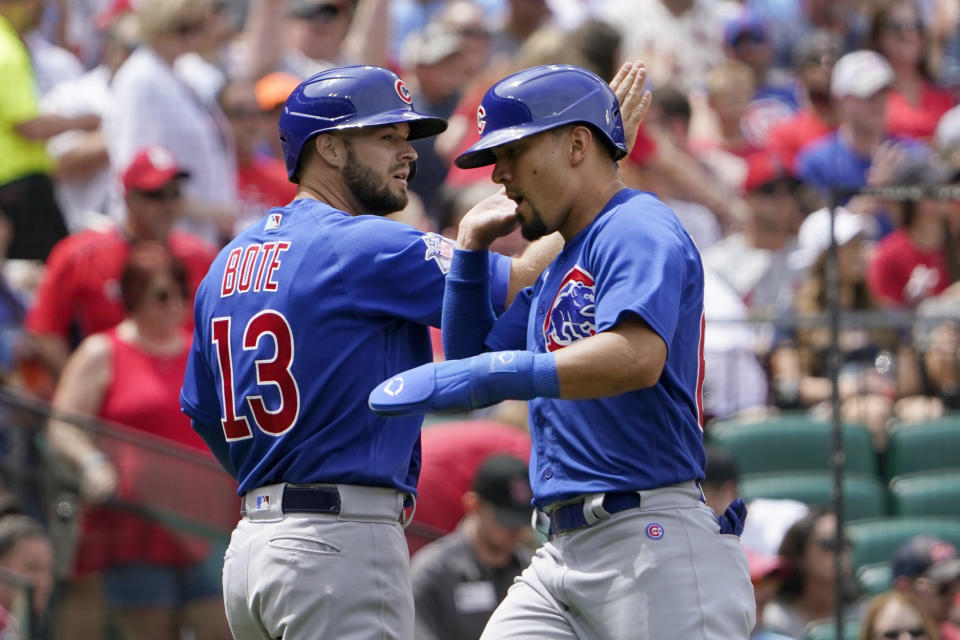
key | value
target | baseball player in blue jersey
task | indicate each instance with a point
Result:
(607, 346)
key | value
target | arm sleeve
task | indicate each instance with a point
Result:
(467, 310)
(510, 330)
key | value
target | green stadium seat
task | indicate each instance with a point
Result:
(875, 578)
(827, 630)
(865, 496)
(934, 493)
(929, 446)
(792, 443)
(875, 541)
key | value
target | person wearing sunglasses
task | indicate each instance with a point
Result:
(928, 569)
(895, 615)
(155, 103)
(914, 102)
(152, 578)
(807, 594)
(79, 292)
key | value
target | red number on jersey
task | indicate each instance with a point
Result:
(274, 370)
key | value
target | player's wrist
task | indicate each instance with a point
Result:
(469, 265)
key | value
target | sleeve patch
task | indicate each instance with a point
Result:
(439, 249)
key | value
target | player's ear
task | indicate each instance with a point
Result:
(580, 139)
(331, 150)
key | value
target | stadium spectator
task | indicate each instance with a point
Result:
(194, 130)
(919, 259)
(766, 574)
(878, 377)
(153, 579)
(894, 615)
(748, 40)
(261, 179)
(304, 37)
(272, 91)
(83, 176)
(436, 63)
(755, 262)
(80, 291)
(26, 552)
(26, 190)
(733, 156)
(460, 579)
(928, 569)
(813, 60)
(914, 103)
(842, 160)
(808, 592)
(451, 453)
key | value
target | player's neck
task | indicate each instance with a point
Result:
(333, 195)
(591, 198)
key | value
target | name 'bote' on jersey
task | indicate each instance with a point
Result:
(243, 262)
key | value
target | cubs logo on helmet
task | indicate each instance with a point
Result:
(402, 91)
(481, 119)
(571, 316)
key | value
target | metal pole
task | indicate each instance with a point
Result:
(837, 457)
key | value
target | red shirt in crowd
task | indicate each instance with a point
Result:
(905, 119)
(82, 282)
(451, 454)
(144, 398)
(263, 184)
(786, 138)
(901, 275)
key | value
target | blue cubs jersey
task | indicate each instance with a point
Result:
(634, 259)
(299, 317)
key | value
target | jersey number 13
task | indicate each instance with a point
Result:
(274, 370)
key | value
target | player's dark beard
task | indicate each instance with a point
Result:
(533, 228)
(370, 188)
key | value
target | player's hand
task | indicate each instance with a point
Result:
(489, 219)
(627, 85)
(732, 520)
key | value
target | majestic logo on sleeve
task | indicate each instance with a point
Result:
(402, 91)
(481, 119)
(571, 316)
(439, 249)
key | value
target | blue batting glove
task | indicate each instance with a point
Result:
(733, 518)
(470, 383)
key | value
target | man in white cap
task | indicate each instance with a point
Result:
(855, 154)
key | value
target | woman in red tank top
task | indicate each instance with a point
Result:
(131, 376)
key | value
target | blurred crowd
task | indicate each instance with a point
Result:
(137, 137)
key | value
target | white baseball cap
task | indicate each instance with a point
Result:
(860, 74)
(813, 237)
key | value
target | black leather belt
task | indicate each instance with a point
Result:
(306, 499)
(570, 516)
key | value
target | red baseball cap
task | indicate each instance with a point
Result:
(762, 566)
(150, 169)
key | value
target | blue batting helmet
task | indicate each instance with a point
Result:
(348, 98)
(542, 98)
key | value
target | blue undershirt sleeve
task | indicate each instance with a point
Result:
(467, 310)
